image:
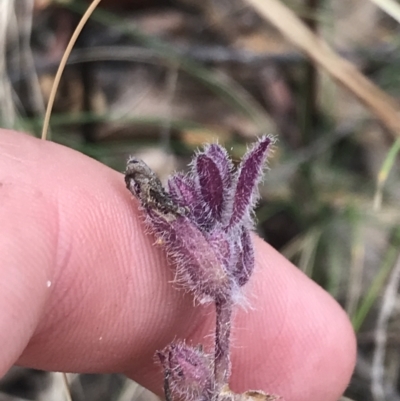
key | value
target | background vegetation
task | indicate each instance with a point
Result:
(158, 79)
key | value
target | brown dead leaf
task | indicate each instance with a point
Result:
(378, 102)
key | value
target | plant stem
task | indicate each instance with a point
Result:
(222, 367)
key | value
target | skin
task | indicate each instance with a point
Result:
(84, 289)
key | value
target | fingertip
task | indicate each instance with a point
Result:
(110, 304)
(301, 343)
(113, 306)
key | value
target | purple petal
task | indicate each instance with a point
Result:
(210, 184)
(183, 191)
(248, 176)
(190, 375)
(223, 162)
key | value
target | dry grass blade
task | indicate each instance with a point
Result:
(63, 62)
(380, 104)
(354, 289)
(67, 390)
(390, 7)
(57, 388)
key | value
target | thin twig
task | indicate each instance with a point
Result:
(385, 312)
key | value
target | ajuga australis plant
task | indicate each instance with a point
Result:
(203, 221)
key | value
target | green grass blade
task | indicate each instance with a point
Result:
(384, 173)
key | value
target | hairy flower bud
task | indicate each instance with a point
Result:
(203, 220)
(199, 266)
(210, 184)
(188, 370)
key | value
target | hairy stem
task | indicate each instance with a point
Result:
(222, 367)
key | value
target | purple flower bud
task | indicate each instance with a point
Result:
(212, 251)
(210, 184)
(203, 224)
(188, 370)
(225, 167)
(248, 177)
(199, 266)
